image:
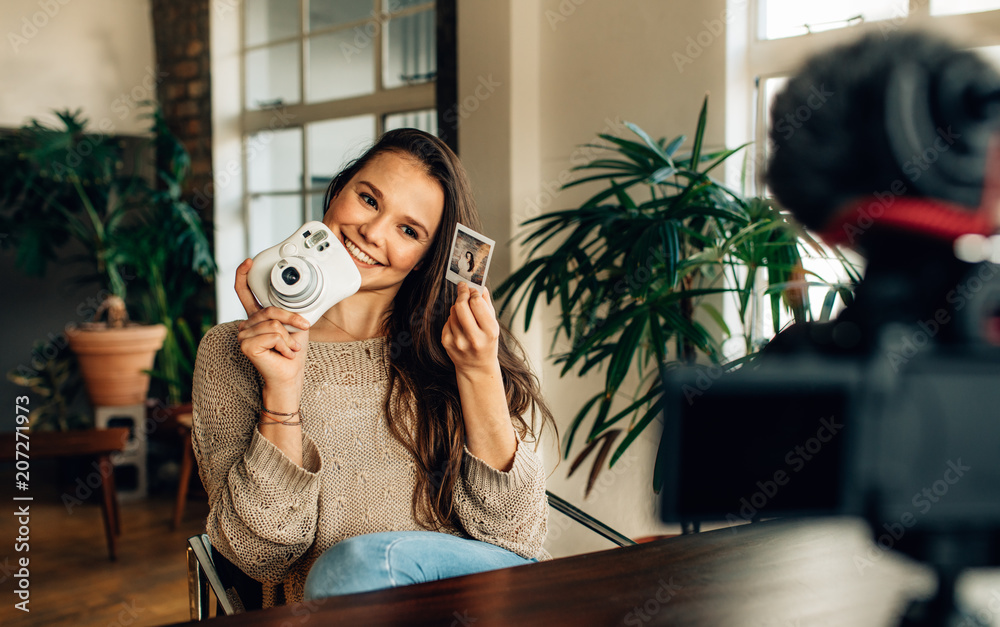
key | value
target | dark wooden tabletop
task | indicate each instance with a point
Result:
(771, 574)
(63, 443)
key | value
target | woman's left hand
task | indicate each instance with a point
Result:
(472, 332)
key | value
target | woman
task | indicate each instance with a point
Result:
(399, 411)
(466, 268)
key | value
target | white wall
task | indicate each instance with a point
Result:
(91, 54)
(567, 70)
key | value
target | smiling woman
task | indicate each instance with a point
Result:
(387, 216)
(402, 412)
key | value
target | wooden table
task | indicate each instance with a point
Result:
(771, 574)
(96, 443)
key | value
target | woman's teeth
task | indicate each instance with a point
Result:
(358, 254)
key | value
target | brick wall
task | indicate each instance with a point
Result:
(180, 28)
(181, 33)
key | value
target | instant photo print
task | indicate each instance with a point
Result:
(469, 262)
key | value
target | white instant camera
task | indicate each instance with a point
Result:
(307, 273)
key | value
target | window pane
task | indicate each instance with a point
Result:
(991, 53)
(953, 7)
(316, 209)
(335, 142)
(272, 76)
(274, 160)
(340, 67)
(425, 120)
(326, 13)
(268, 20)
(410, 53)
(392, 6)
(272, 219)
(772, 86)
(788, 18)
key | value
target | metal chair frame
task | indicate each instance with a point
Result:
(204, 581)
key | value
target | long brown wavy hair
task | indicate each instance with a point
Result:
(420, 372)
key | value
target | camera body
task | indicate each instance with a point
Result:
(903, 435)
(307, 273)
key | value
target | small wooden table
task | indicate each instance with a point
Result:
(96, 443)
(777, 573)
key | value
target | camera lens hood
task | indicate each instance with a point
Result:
(295, 283)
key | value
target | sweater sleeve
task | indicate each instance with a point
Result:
(508, 509)
(262, 506)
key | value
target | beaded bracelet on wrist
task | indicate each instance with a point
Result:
(288, 422)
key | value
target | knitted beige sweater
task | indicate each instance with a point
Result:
(273, 518)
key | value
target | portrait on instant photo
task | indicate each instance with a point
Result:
(470, 257)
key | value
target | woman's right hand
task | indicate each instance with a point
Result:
(278, 355)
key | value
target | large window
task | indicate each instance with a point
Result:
(768, 39)
(322, 79)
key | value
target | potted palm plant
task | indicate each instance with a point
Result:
(637, 271)
(64, 185)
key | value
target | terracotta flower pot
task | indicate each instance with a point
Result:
(112, 361)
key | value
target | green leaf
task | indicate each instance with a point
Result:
(699, 135)
(624, 354)
(670, 149)
(828, 302)
(652, 145)
(776, 312)
(717, 316)
(725, 155)
(637, 429)
(577, 421)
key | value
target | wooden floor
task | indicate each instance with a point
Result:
(72, 581)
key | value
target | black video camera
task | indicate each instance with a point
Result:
(891, 412)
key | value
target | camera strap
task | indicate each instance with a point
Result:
(928, 216)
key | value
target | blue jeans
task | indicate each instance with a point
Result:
(398, 558)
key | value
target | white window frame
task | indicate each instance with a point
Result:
(751, 60)
(233, 123)
(380, 102)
